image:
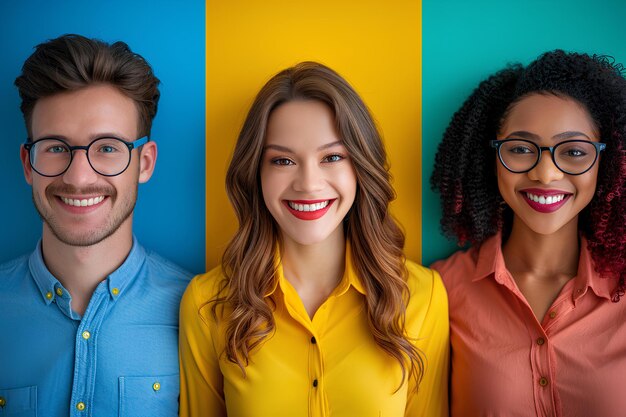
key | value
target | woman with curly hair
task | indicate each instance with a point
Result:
(532, 172)
(314, 310)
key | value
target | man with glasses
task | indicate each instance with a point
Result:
(89, 320)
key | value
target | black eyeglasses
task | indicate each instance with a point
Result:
(51, 157)
(573, 157)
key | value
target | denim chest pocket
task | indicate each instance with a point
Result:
(18, 402)
(149, 396)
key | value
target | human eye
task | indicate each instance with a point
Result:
(56, 149)
(281, 161)
(574, 152)
(520, 149)
(335, 157)
(50, 146)
(107, 149)
(107, 146)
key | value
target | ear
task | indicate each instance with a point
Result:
(147, 161)
(28, 170)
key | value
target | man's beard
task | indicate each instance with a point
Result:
(114, 220)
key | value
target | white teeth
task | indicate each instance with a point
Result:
(82, 203)
(551, 199)
(308, 207)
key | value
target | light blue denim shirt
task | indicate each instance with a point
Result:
(119, 359)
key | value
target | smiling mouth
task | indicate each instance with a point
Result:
(308, 207)
(545, 200)
(85, 202)
(546, 203)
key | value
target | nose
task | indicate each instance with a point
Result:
(545, 171)
(309, 178)
(80, 173)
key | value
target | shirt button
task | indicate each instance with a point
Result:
(3, 402)
(49, 295)
(313, 340)
(156, 386)
(543, 381)
(552, 314)
(59, 292)
(115, 291)
(540, 341)
(80, 406)
(315, 383)
(86, 335)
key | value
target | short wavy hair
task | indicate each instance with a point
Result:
(72, 62)
(473, 209)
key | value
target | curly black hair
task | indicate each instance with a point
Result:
(473, 209)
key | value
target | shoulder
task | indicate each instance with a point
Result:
(13, 270)
(14, 265)
(165, 269)
(421, 279)
(202, 289)
(425, 288)
(459, 267)
(427, 310)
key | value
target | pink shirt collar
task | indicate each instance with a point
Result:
(490, 262)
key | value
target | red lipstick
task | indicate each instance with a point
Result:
(308, 215)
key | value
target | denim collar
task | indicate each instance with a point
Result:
(51, 289)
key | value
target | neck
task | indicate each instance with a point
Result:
(553, 255)
(318, 267)
(81, 268)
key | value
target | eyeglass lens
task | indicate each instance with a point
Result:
(107, 156)
(572, 157)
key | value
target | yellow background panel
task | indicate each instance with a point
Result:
(376, 47)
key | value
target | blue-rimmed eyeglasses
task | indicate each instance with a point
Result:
(573, 157)
(51, 157)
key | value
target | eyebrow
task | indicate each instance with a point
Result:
(288, 150)
(561, 136)
(91, 137)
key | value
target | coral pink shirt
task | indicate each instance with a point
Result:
(507, 363)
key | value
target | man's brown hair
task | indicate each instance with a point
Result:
(71, 62)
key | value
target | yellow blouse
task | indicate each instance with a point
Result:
(327, 366)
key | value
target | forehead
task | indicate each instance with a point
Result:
(301, 123)
(547, 115)
(84, 113)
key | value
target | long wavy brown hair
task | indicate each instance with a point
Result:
(376, 240)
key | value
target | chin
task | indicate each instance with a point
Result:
(308, 239)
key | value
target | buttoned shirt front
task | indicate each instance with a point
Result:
(329, 365)
(506, 362)
(119, 359)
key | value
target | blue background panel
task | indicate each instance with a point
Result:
(466, 41)
(169, 216)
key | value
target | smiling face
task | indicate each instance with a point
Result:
(81, 207)
(545, 199)
(307, 178)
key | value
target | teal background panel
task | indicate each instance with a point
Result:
(466, 41)
(169, 216)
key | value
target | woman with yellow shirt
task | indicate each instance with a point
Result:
(314, 310)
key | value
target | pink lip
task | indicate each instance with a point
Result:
(308, 215)
(545, 208)
(80, 209)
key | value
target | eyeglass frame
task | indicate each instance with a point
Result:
(497, 144)
(131, 145)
